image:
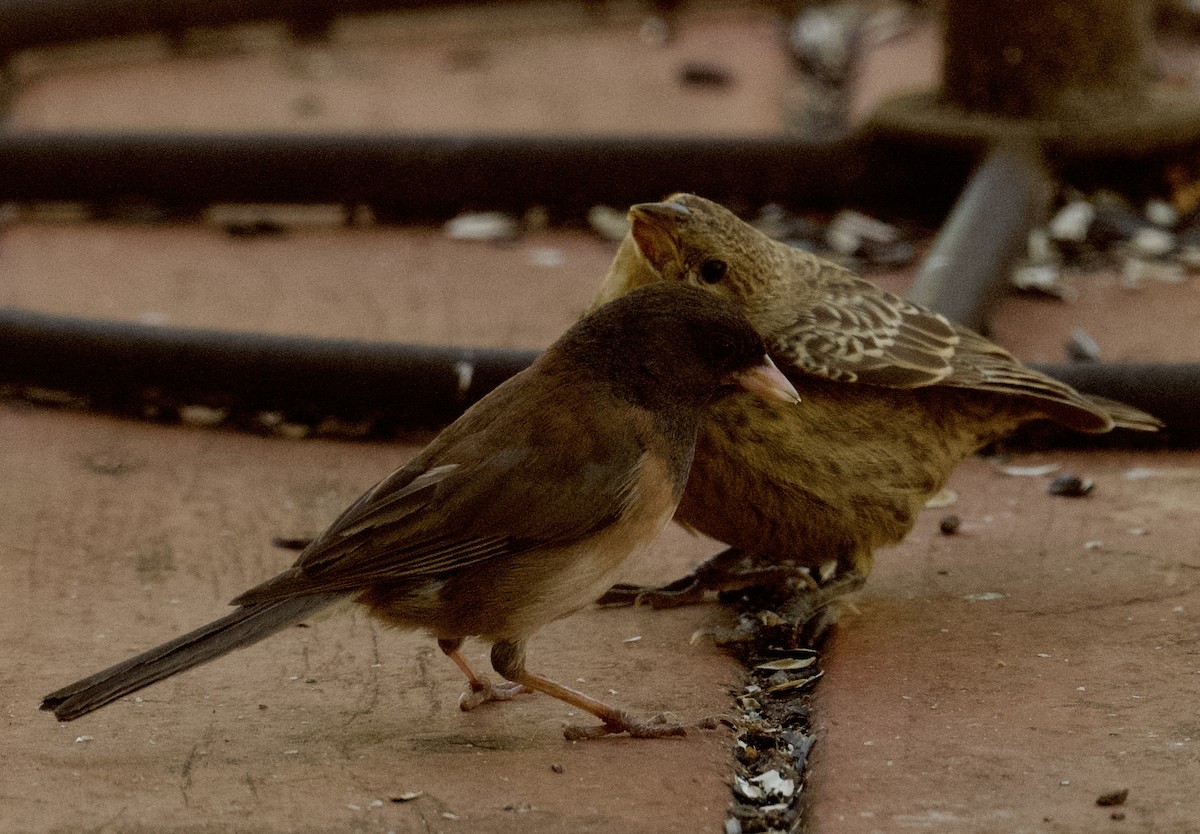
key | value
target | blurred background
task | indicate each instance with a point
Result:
(457, 173)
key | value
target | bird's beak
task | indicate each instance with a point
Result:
(665, 213)
(655, 228)
(766, 380)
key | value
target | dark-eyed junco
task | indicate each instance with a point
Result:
(518, 513)
(895, 396)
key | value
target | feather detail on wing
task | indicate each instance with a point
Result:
(422, 522)
(985, 366)
(382, 537)
(1125, 416)
(855, 332)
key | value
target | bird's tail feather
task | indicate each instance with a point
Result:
(1126, 416)
(245, 626)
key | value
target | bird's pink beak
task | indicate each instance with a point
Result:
(767, 381)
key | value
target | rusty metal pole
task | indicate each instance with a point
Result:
(1045, 58)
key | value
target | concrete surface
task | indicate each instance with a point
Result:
(1002, 679)
(119, 535)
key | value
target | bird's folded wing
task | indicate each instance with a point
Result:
(436, 516)
(855, 332)
(986, 366)
(852, 331)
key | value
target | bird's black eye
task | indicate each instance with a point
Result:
(713, 270)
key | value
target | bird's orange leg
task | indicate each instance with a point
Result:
(481, 689)
(508, 658)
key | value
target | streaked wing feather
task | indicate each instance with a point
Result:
(856, 332)
(380, 505)
(380, 564)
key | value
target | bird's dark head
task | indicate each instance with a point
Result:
(665, 345)
(694, 241)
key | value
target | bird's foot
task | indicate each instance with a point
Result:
(804, 605)
(658, 726)
(482, 691)
(685, 591)
(695, 587)
(801, 620)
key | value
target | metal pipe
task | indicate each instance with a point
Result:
(136, 368)
(130, 368)
(32, 23)
(987, 229)
(415, 177)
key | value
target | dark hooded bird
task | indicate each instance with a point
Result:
(518, 513)
(895, 396)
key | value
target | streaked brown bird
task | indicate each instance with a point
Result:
(895, 396)
(518, 513)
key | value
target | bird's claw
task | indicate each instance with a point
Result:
(693, 588)
(484, 691)
(656, 727)
(802, 620)
(291, 543)
(686, 591)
